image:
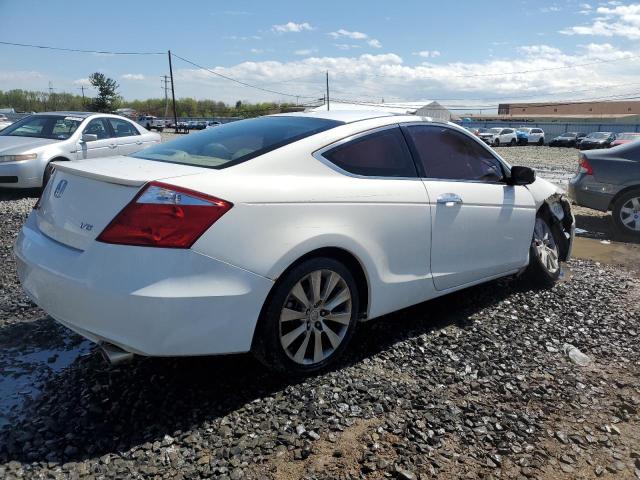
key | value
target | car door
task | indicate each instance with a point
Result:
(389, 197)
(127, 136)
(105, 144)
(481, 227)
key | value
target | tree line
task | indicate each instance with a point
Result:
(35, 101)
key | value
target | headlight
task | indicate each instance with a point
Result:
(16, 158)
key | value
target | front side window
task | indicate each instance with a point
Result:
(236, 142)
(122, 128)
(379, 154)
(447, 154)
(99, 127)
(54, 127)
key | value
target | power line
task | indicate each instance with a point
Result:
(105, 52)
(240, 82)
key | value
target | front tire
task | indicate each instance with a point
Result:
(626, 214)
(496, 142)
(309, 319)
(544, 255)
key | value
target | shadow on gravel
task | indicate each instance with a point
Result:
(90, 409)
(601, 227)
(10, 194)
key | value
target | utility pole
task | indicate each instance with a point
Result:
(165, 82)
(82, 88)
(327, 89)
(173, 94)
(51, 97)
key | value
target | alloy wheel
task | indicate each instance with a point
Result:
(315, 317)
(545, 246)
(630, 214)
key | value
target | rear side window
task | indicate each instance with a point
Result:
(236, 142)
(450, 155)
(122, 128)
(380, 154)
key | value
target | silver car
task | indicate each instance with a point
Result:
(28, 146)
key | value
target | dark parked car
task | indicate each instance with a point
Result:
(567, 139)
(596, 140)
(610, 180)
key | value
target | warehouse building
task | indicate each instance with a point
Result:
(614, 111)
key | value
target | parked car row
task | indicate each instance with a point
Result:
(594, 140)
(498, 136)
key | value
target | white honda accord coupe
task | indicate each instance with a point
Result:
(277, 235)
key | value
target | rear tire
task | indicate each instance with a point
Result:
(512, 143)
(626, 214)
(541, 142)
(544, 255)
(308, 319)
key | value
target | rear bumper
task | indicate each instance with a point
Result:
(22, 174)
(149, 301)
(586, 192)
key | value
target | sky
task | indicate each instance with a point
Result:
(464, 53)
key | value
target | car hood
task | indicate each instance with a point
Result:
(16, 145)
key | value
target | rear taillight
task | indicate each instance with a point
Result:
(585, 166)
(166, 216)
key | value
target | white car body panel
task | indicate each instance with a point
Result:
(286, 204)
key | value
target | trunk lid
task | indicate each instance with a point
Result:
(81, 198)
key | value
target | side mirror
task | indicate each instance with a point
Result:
(89, 137)
(522, 176)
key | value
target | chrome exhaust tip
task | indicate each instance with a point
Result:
(115, 355)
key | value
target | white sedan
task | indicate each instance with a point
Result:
(277, 235)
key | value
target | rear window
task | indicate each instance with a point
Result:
(236, 142)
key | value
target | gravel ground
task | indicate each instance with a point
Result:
(472, 385)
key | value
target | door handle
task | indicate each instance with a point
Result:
(449, 199)
(138, 142)
(113, 145)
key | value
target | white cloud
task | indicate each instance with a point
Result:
(612, 21)
(82, 81)
(304, 52)
(551, 9)
(345, 46)
(292, 27)
(133, 76)
(371, 76)
(256, 50)
(353, 35)
(428, 53)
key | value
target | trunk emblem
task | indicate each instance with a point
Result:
(62, 184)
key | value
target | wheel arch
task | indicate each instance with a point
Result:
(622, 192)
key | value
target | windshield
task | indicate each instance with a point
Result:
(54, 127)
(235, 142)
(598, 135)
(568, 135)
(524, 130)
(495, 130)
(628, 136)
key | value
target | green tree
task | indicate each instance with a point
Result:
(108, 98)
